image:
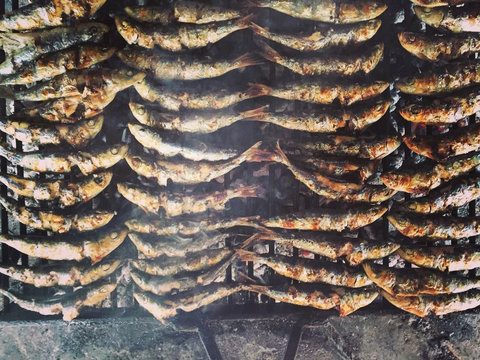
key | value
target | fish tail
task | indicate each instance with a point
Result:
(268, 52)
(257, 90)
(258, 30)
(245, 255)
(247, 59)
(257, 114)
(244, 22)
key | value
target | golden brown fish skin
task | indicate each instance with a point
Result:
(330, 11)
(182, 67)
(310, 271)
(325, 64)
(454, 76)
(437, 304)
(48, 13)
(67, 192)
(455, 19)
(199, 12)
(177, 37)
(93, 246)
(77, 135)
(436, 3)
(69, 304)
(352, 218)
(435, 48)
(102, 157)
(421, 181)
(413, 282)
(323, 38)
(179, 203)
(51, 65)
(151, 14)
(63, 274)
(434, 226)
(163, 285)
(332, 246)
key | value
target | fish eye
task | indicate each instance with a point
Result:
(411, 38)
(104, 49)
(91, 122)
(105, 267)
(141, 110)
(129, 73)
(93, 30)
(114, 151)
(410, 81)
(124, 24)
(113, 235)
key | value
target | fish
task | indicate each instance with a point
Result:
(77, 135)
(200, 12)
(436, 3)
(182, 67)
(323, 38)
(180, 203)
(352, 218)
(330, 11)
(345, 65)
(68, 304)
(320, 92)
(198, 261)
(169, 147)
(177, 37)
(319, 297)
(363, 147)
(67, 192)
(48, 13)
(175, 245)
(57, 222)
(192, 226)
(454, 19)
(451, 195)
(435, 48)
(329, 245)
(434, 226)
(420, 181)
(447, 79)
(308, 270)
(101, 157)
(442, 111)
(325, 120)
(444, 146)
(62, 274)
(50, 65)
(200, 122)
(437, 304)
(88, 245)
(443, 258)
(188, 171)
(150, 14)
(413, 282)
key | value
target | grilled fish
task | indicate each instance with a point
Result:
(324, 120)
(150, 14)
(444, 258)
(195, 122)
(179, 203)
(77, 135)
(438, 304)
(57, 222)
(338, 12)
(182, 67)
(455, 19)
(177, 37)
(200, 12)
(434, 48)
(323, 38)
(434, 226)
(67, 192)
(175, 245)
(454, 76)
(453, 194)
(328, 219)
(413, 282)
(423, 180)
(319, 297)
(63, 274)
(441, 111)
(94, 246)
(102, 157)
(188, 171)
(316, 91)
(69, 304)
(329, 245)
(435, 3)
(310, 271)
(168, 147)
(443, 146)
(326, 64)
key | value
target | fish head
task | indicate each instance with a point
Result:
(409, 85)
(82, 132)
(412, 112)
(109, 242)
(93, 31)
(93, 54)
(139, 111)
(124, 78)
(155, 305)
(412, 304)
(430, 16)
(99, 271)
(411, 42)
(126, 29)
(142, 133)
(99, 293)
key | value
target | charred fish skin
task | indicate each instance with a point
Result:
(435, 48)
(329, 11)
(150, 14)
(434, 226)
(455, 19)
(322, 39)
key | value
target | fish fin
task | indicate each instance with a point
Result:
(244, 22)
(245, 255)
(257, 90)
(258, 30)
(260, 289)
(257, 114)
(268, 52)
(247, 59)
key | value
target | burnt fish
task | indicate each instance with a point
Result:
(436, 3)
(456, 19)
